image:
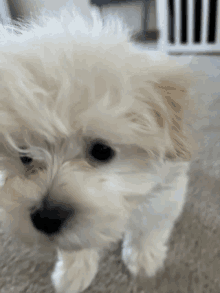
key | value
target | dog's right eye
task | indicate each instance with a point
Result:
(100, 152)
(26, 160)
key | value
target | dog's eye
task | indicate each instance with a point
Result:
(100, 152)
(26, 160)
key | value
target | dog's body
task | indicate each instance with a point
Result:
(93, 145)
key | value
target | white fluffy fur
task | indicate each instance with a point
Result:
(65, 82)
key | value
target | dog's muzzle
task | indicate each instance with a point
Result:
(51, 217)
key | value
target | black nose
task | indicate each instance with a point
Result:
(51, 217)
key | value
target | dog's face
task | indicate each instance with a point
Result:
(82, 127)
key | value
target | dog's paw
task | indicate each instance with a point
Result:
(148, 260)
(76, 274)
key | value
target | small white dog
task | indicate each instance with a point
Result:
(92, 143)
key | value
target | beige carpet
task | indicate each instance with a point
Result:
(193, 262)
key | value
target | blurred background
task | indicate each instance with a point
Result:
(139, 15)
(173, 26)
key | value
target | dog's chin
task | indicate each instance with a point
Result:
(67, 241)
(96, 239)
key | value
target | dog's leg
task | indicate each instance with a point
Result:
(145, 243)
(75, 271)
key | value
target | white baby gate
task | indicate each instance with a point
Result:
(189, 26)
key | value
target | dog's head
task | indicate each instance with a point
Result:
(83, 118)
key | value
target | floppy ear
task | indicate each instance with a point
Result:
(178, 104)
(163, 92)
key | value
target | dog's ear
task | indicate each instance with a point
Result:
(167, 93)
(178, 105)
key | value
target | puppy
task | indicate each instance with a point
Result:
(93, 144)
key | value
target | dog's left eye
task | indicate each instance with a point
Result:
(26, 160)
